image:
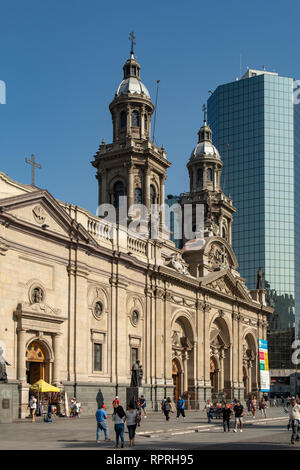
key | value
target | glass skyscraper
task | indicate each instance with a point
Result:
(256, 131)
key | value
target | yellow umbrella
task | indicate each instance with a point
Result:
(43, 386)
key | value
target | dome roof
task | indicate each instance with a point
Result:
(205, 148)
(132, 85)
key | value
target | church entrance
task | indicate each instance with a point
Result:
(35, 363)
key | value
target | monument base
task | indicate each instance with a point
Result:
(133, 393)
(6, 404)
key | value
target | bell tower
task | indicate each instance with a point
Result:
(205, 167)
(131, 165)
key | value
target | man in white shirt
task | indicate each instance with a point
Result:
(294, 414)
(32, 406)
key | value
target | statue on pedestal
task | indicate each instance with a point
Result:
(134, 375)
(3, 364)
(259, 284)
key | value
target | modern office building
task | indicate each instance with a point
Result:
(256, 128)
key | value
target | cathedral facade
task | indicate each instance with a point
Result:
(82, 298)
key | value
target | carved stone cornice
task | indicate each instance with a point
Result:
(3, 248)
(204, 306)
(39, 317)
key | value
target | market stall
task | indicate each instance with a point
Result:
(49, 398)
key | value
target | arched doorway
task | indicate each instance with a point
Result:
(220, 358)
(177, 378)
(250, 364)
(37, 366)
(184, 356)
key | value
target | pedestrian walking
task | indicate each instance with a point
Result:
(132, 419)
(294, 415)
(167, 408)
(263, 407)
(239, 413)
(32, 406)
(253, 406)
(180, 407)
(142, 404)
(116, 402)
(119, 418)
(248, 403)
(226, 413)
(101, 418)
(209, 410)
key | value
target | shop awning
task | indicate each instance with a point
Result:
(43, 386)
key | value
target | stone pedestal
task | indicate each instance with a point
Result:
(6, 404)
(133, 393)
(24, 399)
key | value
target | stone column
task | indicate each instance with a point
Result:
(21, 373)
(103, 189)
(147, 175)
(56, 343)
(185, 371)
(234, 356)
(128, 115)
(206, 361)
(167, 340)
(250, 377)
(221, 360)
(147, 337)
(130, 185)
(162, 199)
(21, 367)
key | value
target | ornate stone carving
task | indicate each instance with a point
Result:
(221, 286)
(176, 262)
(217, 257)
(40, 307)
(39, 214)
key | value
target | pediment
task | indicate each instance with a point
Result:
(224, 282)
(40, 209)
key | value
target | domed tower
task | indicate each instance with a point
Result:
(205, 167)
(131, 165)
(131, 108)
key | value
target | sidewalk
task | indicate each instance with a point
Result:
(155, 423)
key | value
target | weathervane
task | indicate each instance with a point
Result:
(204, 109)
(132, 39)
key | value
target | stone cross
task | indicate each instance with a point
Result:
(34, 165)
(204, 109)
(132, 39)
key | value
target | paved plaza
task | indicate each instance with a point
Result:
(154, 434)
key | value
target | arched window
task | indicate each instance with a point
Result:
(145, 122)
(138, 196)
(200, 176)
(123, 119)
(135, 119)
(152, 195)
(118, 191)
(209, 174)
(224, 232)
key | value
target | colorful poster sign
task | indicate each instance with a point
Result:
(264, 365)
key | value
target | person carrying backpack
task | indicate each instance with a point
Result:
(167, 407)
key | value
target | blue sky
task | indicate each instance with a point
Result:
(62, 63)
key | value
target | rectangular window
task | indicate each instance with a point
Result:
(97, 357)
